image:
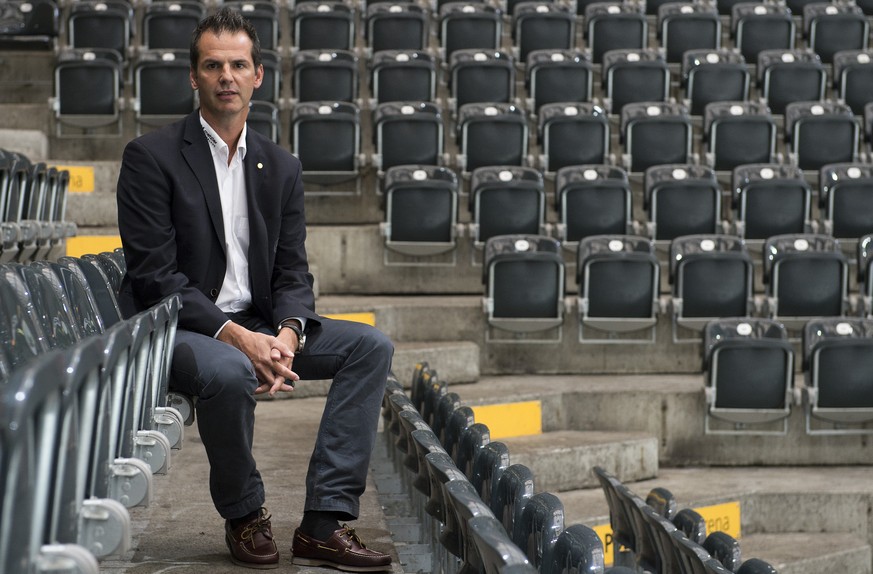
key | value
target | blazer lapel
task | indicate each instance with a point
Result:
(259, 273)
(199, 159)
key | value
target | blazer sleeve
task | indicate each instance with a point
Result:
(145, 222)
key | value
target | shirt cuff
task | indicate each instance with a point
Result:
(220, 329)
(302, 321)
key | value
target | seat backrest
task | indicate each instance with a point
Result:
(655, 133)
(688, 26)
(593, 200)
(712, 275)
(541, 523)
(463, 504)
(403, 75)
(496, 551)
(477, 76)
(577, 549)
(614, 26)
(506, 200)
(837, 355)
(853, 76)
(724, 548)
(101, 24)
(618, 276)
(539, 25)
(489, 462)
(466, 25)
(473, 439)
(573, 134)
(326, 135)
(424, 442)
(682, 199)
(558, 76)
(401, 26)
(831, 29)
(408, 133)
(770, 199)
(168, 25)
(692, 524)
(324, 75)
(846, 193)
(787, 76)
(52, 307)
(758, 26)
(20, 330)
(631, 76)
(514, 489)
(323, 25)
(492, 135)
(821, 133)
(460, 419)
(441, 469)
(712, 76)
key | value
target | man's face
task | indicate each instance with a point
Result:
(225, 74)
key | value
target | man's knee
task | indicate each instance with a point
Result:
(227, 373)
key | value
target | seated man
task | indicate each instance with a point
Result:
(214, 212)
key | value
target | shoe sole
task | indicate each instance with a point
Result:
(343, 567)
(253, 565)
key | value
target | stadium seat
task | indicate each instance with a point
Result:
(506, 200)
(441, 470)
(22, 333)
(577, 549)
(770, 199)
(524, 284)
(682, 199)
(661, 530)
(167, 24)
(409, 132)
(270, 89)
(98, 285)
(542, 25)
(759, 26)
(864, 259)
(713, 76)
(691, 524)
(488, 464)
(473, 439)
(724, 548)
(514, 489)
(646, 551)
(30, 25)
(323, 25)
(445, 404)
(618, 278)
(496, 552)
(853, 78)
(264, 16)
(738, 133)
(692, 556)
(712, 277)
(424, 442)
(540, 524)
(684, 26)
(323, 75)
(846, 194)
(468, 25)
(493, 134)
(807, 277)
(631, 76)
(820, 133)
(87, 92)
(572, 134)
(655, 134)
(396, 26)
(162, 91)
(838, 366)
(421, 211)
(477, 76)
(30, 182)
(830, 28)
(623, 536)
(786, 76)
(756, 566)
(326, 137)
(553, 76)
(662, 502)
(614, 26)
(592, 200)
(465, 504)
(101, 25)
(264, 118)
(460, 419)
(402, 75)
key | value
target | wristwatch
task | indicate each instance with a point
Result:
(301, 336)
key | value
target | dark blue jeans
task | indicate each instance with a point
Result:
(355, 356)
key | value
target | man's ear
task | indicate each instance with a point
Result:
(259, 76)
(192, 78)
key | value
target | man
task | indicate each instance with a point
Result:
(214, 212)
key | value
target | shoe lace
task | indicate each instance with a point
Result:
(350, 532)
(262, 524)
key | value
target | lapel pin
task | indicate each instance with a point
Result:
(260, 165)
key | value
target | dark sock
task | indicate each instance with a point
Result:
(319, 524)
(235, 522)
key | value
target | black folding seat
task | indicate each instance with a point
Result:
(323, 25)
(853, 78)
(541, 523)
(749, 375)
(682, 199)
(684, 26)
(758, 26)
(463, 504)
(786, 76)
(714, 76)
(572, 134)
(662, 530)
(712, 277)
(819, 133)
(831, 27)
(846, 199)
(162, 92)
(488, 464)
(477, 76)
(62, 229)
(691, 523)
(646, 550)
(407, 133)
(592, 200)
(491, 134)
(28, 185)
(167, 24)
(725, 549)
(402, 75)
(553, 76)
(104, 24)
(321, 75)
(614, 26)
(87, 91)
(618, 278)
(506, 200)
(770, 199)
(634, 76)
(756, 566)
(655, 133)
(515, 488)
(30, 25)
(264, 16)
(270, 89)
(468, 25)
(807, 276)
(838, 363)
(10, 210)
(577, 549)
(622, 530)
(326, 137)
(421, 210)
(738, 133)
(264, 118)
(496, 552)
(396, 26)
(542, 25)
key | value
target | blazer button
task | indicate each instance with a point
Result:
(213, 293)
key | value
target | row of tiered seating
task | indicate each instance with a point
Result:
(33, 204)
(84, 419)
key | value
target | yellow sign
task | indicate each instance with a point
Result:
(511, 419)
(366, 318)
(719, 518)
(81, 177)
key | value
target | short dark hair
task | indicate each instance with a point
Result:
(225, 20)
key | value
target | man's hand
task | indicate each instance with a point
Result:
(270, 357)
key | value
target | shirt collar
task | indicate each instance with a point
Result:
(218, 145)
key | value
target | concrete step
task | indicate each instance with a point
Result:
(458, 360)
(560, 459)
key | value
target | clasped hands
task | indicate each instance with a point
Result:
(271, 356)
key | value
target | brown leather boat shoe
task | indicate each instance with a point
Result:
(343, 551)
(251, 543)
